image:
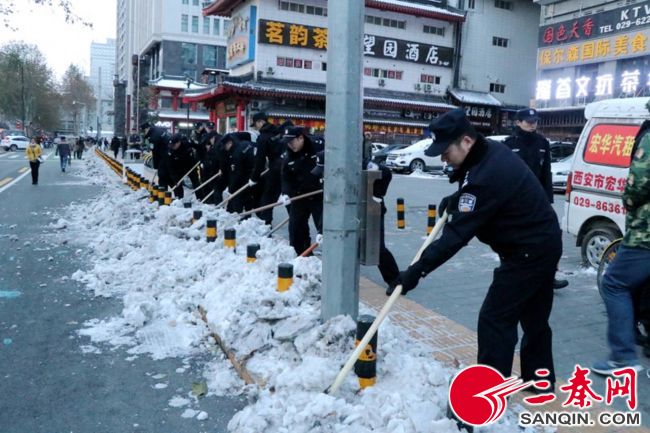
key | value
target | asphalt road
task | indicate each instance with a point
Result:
(47, 383)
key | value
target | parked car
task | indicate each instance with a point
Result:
(560, 173)
(376, 147)
(380, 156)
(15, 142)
(412, 158)
(595, 213)
(561, 149)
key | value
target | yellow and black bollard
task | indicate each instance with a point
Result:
(400, 214)
(366, 366)
(230, 238)
(161, 196)
(431, 217)
(211, 230)
(153, 193)
(196, 215)
(168, 198)
(251, 252)
(187, 204)
(285, 276)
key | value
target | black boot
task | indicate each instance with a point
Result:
(559, 284)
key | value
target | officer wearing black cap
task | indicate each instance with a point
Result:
(240, 158)
(269, 155)
(535, 151)
(159, 139)
(297, 179)
(181, 160)
(500, 202)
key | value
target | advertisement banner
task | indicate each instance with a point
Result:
(240, 31)
(611, 145)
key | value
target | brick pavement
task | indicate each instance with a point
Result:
(454, 344)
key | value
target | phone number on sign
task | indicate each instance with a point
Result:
(599, 205)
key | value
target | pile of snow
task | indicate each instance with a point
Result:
(160, 266)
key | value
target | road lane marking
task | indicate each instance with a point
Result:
(14, 156)
(5, 181)
(22, 170)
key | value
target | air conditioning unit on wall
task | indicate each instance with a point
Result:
(417, 86)
(382, 82)
(256, 105)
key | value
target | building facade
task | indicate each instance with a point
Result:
(587, 51)
(102, 70)
(165, 41)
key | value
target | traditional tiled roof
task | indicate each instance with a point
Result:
(175, 83)
(473, 97)
(314, 91)
(410, 7)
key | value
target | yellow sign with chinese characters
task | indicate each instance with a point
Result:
(621, 46)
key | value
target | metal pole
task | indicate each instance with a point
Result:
(340, 292)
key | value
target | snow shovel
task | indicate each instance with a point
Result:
(278, 227)
(186, 174)
(233, 195)
(269, 206)
(382, 314)
(207, 181)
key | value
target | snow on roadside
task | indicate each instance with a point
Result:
(161, 268)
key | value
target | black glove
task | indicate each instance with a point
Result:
(450, 202)
(408, 279)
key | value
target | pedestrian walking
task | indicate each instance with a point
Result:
(500, 202)
(79, 148)
(297, 179)
(629, 272)
(534, 149)
(115, 146)
(63, 150)
(33, 153)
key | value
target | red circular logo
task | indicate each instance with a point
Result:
(477, 394)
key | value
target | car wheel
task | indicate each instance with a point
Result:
(595, 242)
(13, 148)
(606, 259)
(416, 164)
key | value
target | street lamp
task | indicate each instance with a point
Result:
(188, 81)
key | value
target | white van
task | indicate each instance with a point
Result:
(412, 158)
(594, 212)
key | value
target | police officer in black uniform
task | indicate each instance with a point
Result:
(181, 160)
(159, 138)
(240, 157)
(499, 201)
(297, 179)
(535, 151)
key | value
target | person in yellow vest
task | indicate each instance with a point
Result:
(34, 153)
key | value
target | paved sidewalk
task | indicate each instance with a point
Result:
(454, 344)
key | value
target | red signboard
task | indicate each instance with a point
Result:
(611, 144)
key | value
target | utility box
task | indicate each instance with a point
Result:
(370, 220)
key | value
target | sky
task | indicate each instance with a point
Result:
(62, 43)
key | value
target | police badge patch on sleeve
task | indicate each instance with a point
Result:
(466, 202)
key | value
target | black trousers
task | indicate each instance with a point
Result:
(387, 265)
(242, 202)
(270, 194)
(521, 293)
(34, 165)
(299, 213)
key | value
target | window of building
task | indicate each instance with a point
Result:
(499, 42)
(190, 72)
(497, 88)
(188, 53)
(186, 2)
(293, 63)
(195, 2)
(184, 23)
(323, 66)
(430, 79)
(307, 64)
(503, 4)
(471, 4)
(216, 26)
(209, 56)
(195, 24)
(440, 31)
(383, 73)
(303, 9)
(386, 22)
(206, 25)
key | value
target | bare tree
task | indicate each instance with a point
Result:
(8, 8)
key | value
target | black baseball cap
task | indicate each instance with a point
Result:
(446, 129)
(259, 116)
(145, 125)
(291, 133)
(527, 114)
